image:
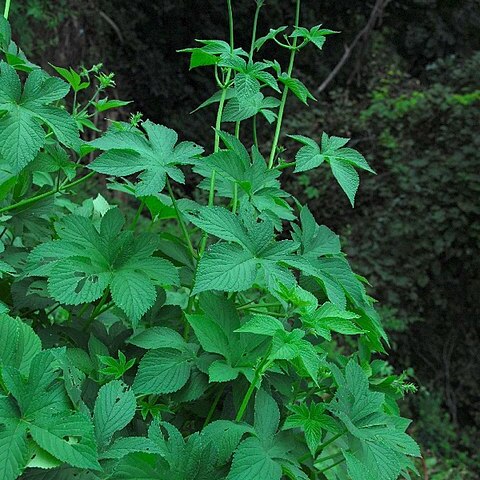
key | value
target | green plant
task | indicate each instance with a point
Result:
(226, 335)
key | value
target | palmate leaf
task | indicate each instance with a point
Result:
(342, 160)
(256, 183)
(156, 157)
(68, 437)
(262, 455)
(378, 441)
(42, 393)
(234, 267)
(84, 261)
(24, 113)
(313, 421)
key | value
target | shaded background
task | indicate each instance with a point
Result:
(408, 95)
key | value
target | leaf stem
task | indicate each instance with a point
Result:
(37, 198)
(281, 109)
(264, 364)
(323, 445)
(323, 470)
(254, 30)
(213, 406)
(137, 215)
(180, 221)
(7, 9)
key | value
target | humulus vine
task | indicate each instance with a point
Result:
(235, 345)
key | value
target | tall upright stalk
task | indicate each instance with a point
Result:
(281, 110)
(218, 122)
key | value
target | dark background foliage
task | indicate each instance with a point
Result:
(408, 95)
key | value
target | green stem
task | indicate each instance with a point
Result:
(323, 470)
(254, 30)
(137, 215)
(237, 129)
(330, 457)
(180, 221)
(7, 9)
(254, 127)
(96, 311)
(264, 364)
(281, 110)
(213, 406)
(273, 314)
(218, 122)
(37, 198)
(331, 440)
(235, 197)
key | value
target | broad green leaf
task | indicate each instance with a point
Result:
(158, 337)
(225, 267)
(114, 409)
(225, 436)
(209, 334)
(267, 415)
(222, 223)
(133, 292)
(22, 134)
(162, 371)
(140, 466)
(296, 87)
(43, 392)
(253, 460)
(22, 346)
(84, 261)
(156, 157)
(262, 325)
(125, 445)
(14, 451)
(68, 437)
(312, 420)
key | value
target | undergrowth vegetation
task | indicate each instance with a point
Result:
(236, 343)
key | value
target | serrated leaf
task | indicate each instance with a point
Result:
(134, 293)
(114, 409)
(225, 435)
(158, 337)
(297, 88)
(14, 451)
(162, 371)
(156, 157)
(22, 135)
(253, 460)
(22, 346)
(261, 325)
(226, 267)
(68, 437)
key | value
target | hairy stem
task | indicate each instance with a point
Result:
(29, 201)
(281, 110)
(183, 227)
